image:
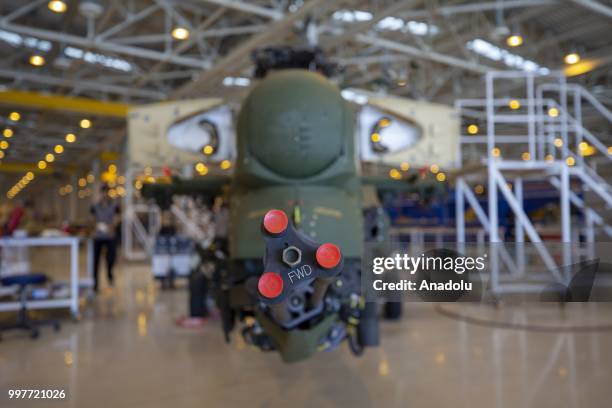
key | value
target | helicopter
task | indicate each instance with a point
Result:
(297, 187)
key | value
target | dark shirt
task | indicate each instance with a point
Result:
(104, 213)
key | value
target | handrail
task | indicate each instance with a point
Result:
(593, 101)
(596, 187)
(583, 92)
(585, 132)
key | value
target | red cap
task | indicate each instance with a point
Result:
(328, 256)
(270, 285)
(275, 221)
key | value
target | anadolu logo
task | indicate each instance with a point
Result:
(447, 276)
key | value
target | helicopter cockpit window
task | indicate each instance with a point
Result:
(384, 133)
(211, 146)
(209, 133)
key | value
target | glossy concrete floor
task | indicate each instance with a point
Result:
(128, 352)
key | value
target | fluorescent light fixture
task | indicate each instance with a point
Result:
(352, 16)
(389, 23)
(236, 81)
(495, 53)
(98, 59)
(353, 96)
(419, 28)
(17, 40)
(422, 29)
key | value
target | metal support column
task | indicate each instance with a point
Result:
(519, 232)
(460, 210)
(492, 188)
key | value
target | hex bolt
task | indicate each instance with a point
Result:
(292, 255)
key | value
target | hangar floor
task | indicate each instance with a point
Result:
(127, 352)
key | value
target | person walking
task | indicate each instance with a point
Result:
(107, 214)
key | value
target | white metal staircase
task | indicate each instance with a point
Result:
(537, 132)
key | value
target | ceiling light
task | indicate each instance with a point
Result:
(352, 16)
(70, 138)
(514, 40)
(14, 116)
(496, 152)
(570, 161)
(226, 164)
(42, 165)
(50, 157)
(354, 96)
(8, 132)
(236, 81)
(180, 33)
(4, 145)
(59, 149)
(29, 175)
(582, 67)
(85, 123)
(98, 59)
(586, 149)
(17, 40)
(472, 129)
(496, 53)
(57, 6)
(572, 58)
(558, 142)
(434, 168)
(419, 28)
(553, 112)
(526, 156)
(404, 166)
(514, 104)
(37, 60)
(1, 154)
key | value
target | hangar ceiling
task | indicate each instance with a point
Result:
(141, 51)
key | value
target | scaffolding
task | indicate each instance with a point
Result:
(551, 140)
